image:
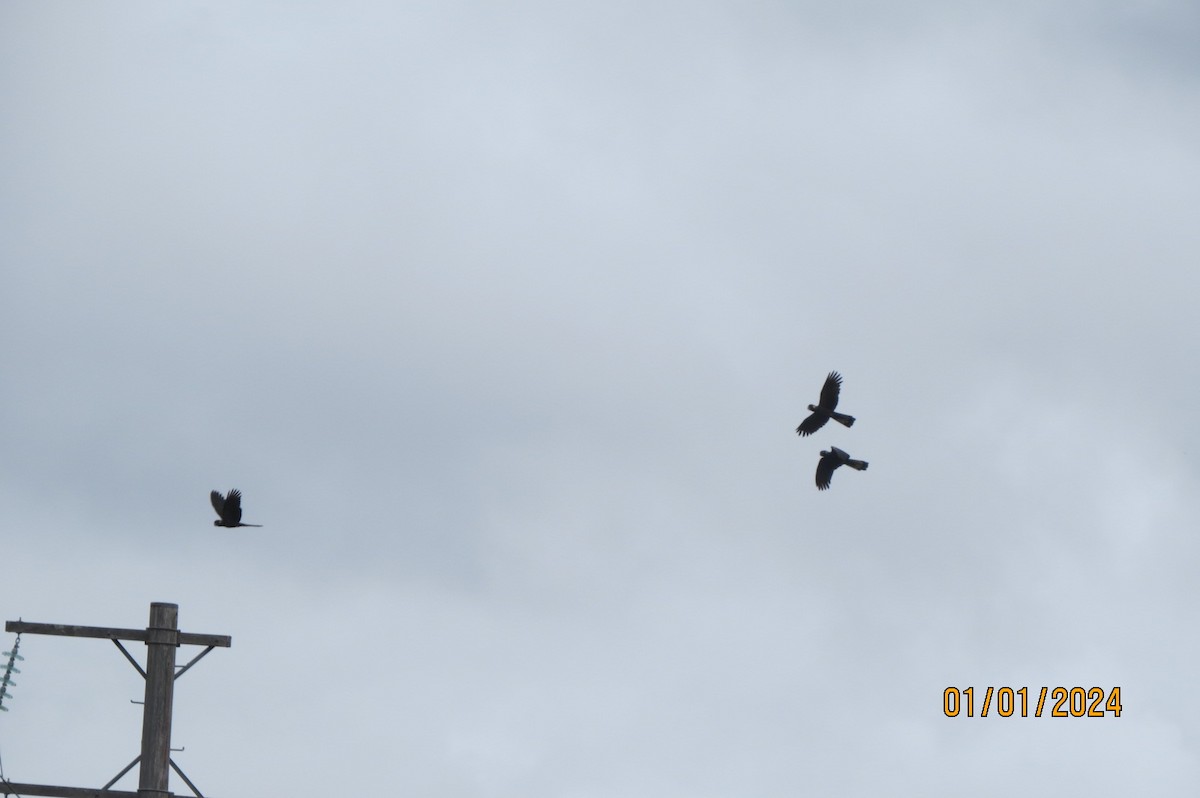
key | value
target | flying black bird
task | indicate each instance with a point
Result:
(831, 460)
(229, 508)
(824, 411)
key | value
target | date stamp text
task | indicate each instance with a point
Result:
(1074, 702)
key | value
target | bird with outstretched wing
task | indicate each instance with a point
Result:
(831, 460)
(229, 508)
(824, 410)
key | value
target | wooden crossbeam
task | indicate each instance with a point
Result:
(109, 633)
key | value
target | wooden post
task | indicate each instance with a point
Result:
(162, 638)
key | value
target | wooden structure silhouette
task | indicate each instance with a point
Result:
(161, 637)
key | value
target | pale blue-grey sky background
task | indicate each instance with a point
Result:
(502, 315)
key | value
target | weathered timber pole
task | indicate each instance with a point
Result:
(162, 638)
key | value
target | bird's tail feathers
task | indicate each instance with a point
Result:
(843, 419)
(857, 465)
(864, 466)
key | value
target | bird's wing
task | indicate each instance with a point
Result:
(218, 503)
(830, 391)
(839, 454)
(811, 424)
(233, 507)
(825, 468)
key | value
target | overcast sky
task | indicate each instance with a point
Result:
(502, 316)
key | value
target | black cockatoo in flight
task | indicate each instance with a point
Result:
(229, 508)
(824, 411)
(830, 460)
